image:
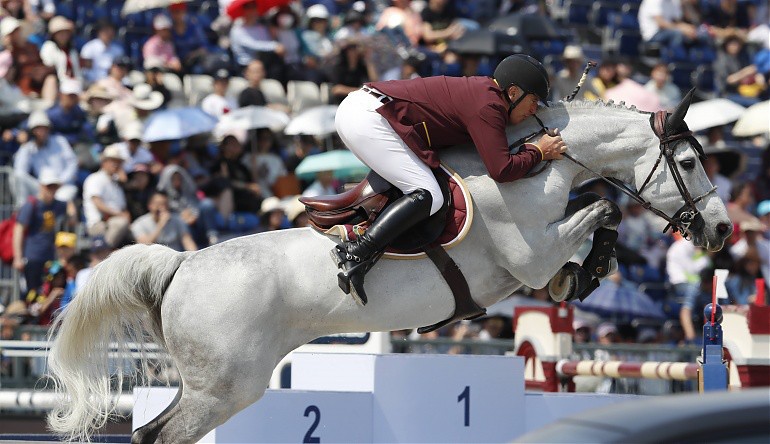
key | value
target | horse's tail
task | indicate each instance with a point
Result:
(119, 306)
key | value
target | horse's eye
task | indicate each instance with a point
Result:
(687, 164)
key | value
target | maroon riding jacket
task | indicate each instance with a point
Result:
(438, 112)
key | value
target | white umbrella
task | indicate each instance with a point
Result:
(316, 121)
(711, 113)
(132, 6)
(253, 117)
(177, 123)
(755, 121)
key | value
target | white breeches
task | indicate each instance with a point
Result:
(371, 138)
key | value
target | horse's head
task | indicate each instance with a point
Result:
(670, 176)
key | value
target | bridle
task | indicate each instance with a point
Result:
(686, 219)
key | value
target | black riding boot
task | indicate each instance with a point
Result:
(357, 257)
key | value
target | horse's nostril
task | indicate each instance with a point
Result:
(724, 229)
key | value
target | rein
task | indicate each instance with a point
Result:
(685, 216)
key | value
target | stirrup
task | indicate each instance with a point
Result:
(351, 281)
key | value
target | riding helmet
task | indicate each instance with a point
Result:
(525, 72)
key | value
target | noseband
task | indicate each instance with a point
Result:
(687, 217)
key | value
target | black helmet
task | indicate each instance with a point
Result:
(525, 72)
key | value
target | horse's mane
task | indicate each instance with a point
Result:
(600, 104)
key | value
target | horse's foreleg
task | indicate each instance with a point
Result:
(579, 281)
(563, 238)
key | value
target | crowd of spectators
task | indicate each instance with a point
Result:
(77, 85)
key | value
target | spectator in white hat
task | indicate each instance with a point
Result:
(568, 78)
(160, 45)
(37, 222)
(68, 118)
(316, 37)
(60, 51)
(104, 202)
(138, 107)
(21, 65)
(44, 150)
(133, 151)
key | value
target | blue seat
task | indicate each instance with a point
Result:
(543, 48)
(704, 81)
(66, 9)
(622, 20)
(600, 12)
(702, 54)
(674, 54)
(682, 74)
(578, 12)
(628, 42)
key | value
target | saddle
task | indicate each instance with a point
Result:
(355, 209)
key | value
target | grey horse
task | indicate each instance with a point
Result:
(227, 314)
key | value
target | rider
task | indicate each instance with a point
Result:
(398, 127)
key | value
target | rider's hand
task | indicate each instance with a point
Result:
(552, 145)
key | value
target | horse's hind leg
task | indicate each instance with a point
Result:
(196, 411)
(188, 419)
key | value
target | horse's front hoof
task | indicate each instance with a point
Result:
(567, 282)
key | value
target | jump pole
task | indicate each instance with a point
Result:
(543, 336)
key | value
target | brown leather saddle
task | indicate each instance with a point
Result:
(366, 200)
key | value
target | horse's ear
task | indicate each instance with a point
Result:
(676, 120)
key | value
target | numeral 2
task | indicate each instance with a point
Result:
(309, 438)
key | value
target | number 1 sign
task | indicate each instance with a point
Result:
(426, 398)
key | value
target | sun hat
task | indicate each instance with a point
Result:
(38, 118)
(144, 98)
(97, 91)
(48, 176)
(60, 23)
(270, 204)
(66, 239)
(573, 52)
(8, 25)
(112, 152)
(606, 328)
(70, 86)
(317, 11)
(133, 130)
(161, 21)
(294, 208)
(238, 133)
